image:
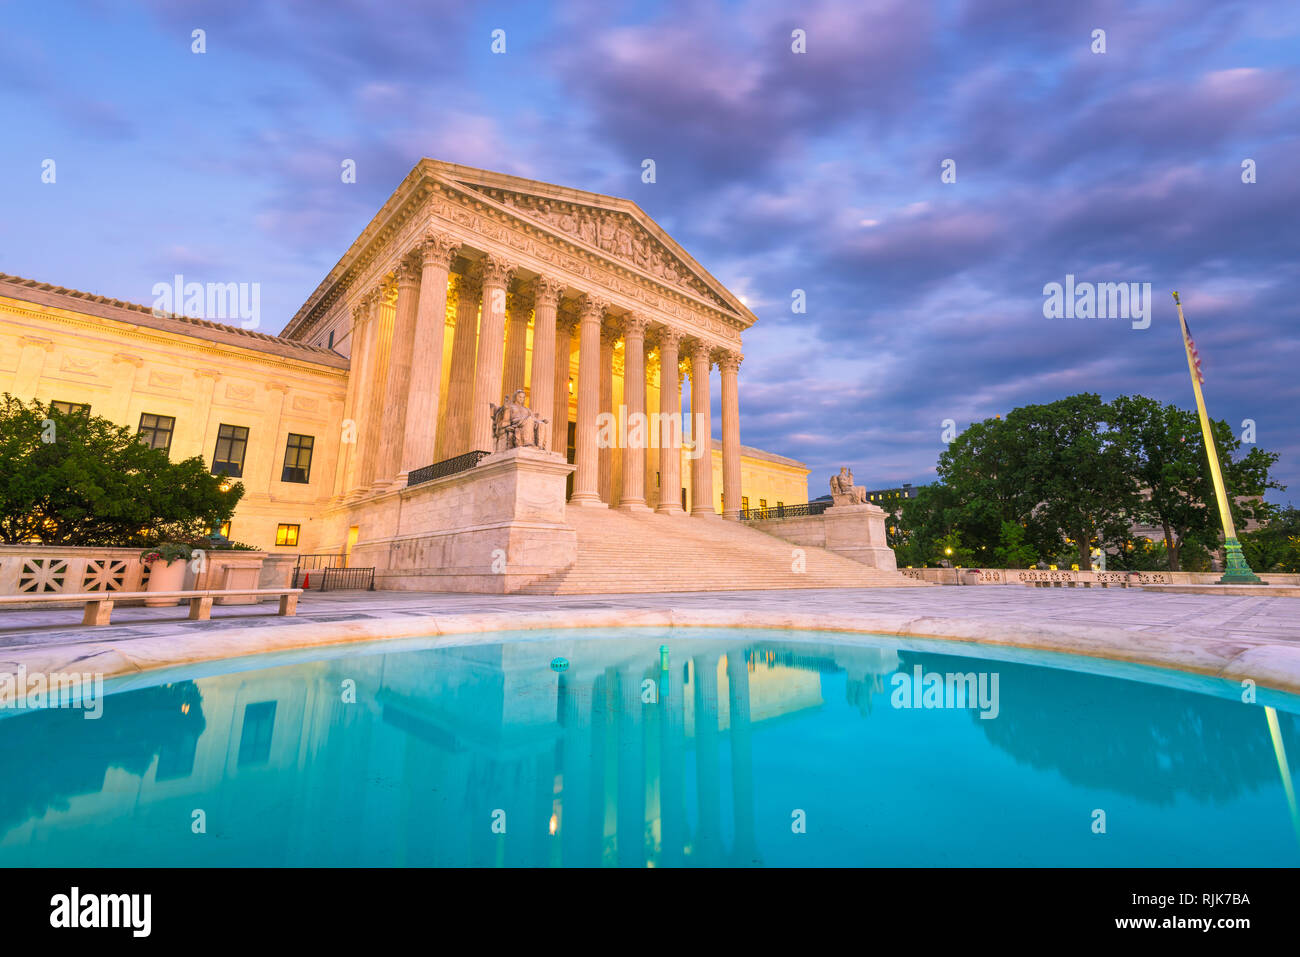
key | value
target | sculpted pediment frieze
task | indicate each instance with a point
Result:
(616, 233)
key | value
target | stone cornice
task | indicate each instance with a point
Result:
(125, 332)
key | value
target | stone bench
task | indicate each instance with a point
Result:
(99, 604)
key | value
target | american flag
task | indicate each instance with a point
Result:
(1191, 351)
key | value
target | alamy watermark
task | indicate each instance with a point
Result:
(1105, 300)
(933, 689)
(21, 691)
(213, 301)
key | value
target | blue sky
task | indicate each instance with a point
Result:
(778, 171)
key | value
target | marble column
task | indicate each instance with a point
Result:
(670, 424)
(398, 381)
(541, 396)
(566, 321)
(701, 431)
(519, 306)
(708, 777)
(453, 440)
(491, 345)
(373, 387)
(420, 447)
(360, 358)
(745, 850)
(608, 339)
(630, 819)
(586, 474)
(729, 365)
(638, 431)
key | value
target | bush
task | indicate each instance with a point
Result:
(78, 479)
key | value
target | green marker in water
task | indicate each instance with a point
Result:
(663, 657)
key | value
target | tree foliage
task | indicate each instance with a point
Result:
(1052, 482)
(78, 479)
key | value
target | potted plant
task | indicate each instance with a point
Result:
(166, 564)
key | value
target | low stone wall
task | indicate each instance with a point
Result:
(854, 531)
(491, 529)
(1068, 578)
(44, 569)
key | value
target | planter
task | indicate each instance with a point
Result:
(166, 576)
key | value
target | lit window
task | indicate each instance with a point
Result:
(286, 535)
(744, 503)
(297, 459)
(156, 431)
(232, 443)
(762, 503)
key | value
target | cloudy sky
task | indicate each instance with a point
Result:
(777, 170)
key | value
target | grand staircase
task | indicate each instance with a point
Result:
(622, 552)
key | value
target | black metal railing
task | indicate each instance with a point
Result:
(339, 579)
(451, 466)
(319, 560)
(783, 511)
(334, 578)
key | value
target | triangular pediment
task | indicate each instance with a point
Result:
(617, 228)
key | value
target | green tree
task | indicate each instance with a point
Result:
(1275, 545)
(78, 479)
(1166, 457)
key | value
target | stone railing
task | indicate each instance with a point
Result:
(1069, 578)
(45, 570)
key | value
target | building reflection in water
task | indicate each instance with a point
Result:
(640, 753)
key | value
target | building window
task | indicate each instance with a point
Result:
(286, 535)
(744, 503)
(331, 345)
(762, 503)
(780, 504)
(255, 736)
(297, 459)
(232, 443)
(156, 431)
(70, 408)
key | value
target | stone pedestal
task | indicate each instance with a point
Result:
(491, 529)
(858, 532)
(854, 531)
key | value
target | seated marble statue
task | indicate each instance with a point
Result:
(844, 492)
(514, 425)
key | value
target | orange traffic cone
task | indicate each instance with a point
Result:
(306, 582)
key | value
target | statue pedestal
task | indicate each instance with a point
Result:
(858, 532)
(490, 529)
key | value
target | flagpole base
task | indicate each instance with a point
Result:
(1236, 571)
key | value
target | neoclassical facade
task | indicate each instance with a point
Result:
(362, 425)
(470, 284)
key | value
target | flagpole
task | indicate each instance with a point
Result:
(1236, 570)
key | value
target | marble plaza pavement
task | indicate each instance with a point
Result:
(1233, 637)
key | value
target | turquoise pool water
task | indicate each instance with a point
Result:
(654, 747)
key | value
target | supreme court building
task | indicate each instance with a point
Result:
(365, 427)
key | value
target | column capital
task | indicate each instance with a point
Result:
(496, 270)
(700, 351)
(728, 361)
(360, 310)
(635, 325)
(668, 336)
(610, 333)
(519, 301)
(566, 316)
(438, 249)
(407, 272)
(591, 308)
(546, 290)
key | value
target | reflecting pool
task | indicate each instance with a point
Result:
(656, 747)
